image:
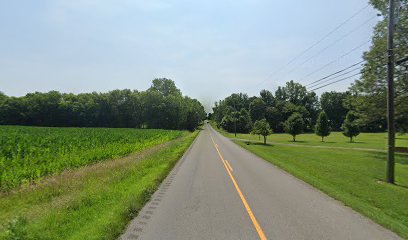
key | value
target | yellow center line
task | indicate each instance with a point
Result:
(229, 165)
(241, 195)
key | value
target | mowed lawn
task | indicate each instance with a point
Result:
(356, 177)
(336, 139)
(95, 201)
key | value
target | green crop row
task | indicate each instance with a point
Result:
(29, 153)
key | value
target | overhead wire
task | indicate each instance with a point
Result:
(315, 43)
(340, 71)
(335, 77)
(332, 44)
(337, 59)
(342, 79)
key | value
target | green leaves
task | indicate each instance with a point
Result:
(162, 106)
(322, 127)
(261, 127)
(350, 126)
(294, 125)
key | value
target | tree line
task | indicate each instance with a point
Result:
(290, 109)
(294, 110)
(161, 106)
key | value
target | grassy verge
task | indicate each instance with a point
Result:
(93, 202)
(354, 177)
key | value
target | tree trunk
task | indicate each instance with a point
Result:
(294, 138)
(322, 139)
(351, 139)
(264, 140)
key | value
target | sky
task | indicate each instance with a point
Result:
(209, 48)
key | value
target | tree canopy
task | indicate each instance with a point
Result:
(369, 92)
(294, 125)
(322, 127)
(351, 126)
(161, 106)
(333, 104)
(261, 127)
(292, 98)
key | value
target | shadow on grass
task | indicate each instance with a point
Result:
(297, 141)
(259, 144)
(383, 181)
(382, 156)
(400, 185)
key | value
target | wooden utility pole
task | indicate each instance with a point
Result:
(390, 94)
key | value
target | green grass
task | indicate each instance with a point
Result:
(357, 178)
(93, 202)
(336, 139)
(30, 153)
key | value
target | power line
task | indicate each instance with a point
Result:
(342, 70)
(332, 43)
(317, 82)
(335, 60)
(329, 79)
(316, 43)
(342, 79)
(363, 71)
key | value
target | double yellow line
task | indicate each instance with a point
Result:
(229, 170)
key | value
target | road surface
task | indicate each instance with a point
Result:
(221, 191)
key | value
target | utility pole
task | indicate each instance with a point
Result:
(390, 94)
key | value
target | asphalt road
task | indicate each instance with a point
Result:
(221, 191)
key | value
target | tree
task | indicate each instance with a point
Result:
(350, 126)
(161, 106)
(261, 127)
(165, 87)
(257, 109)
(371, 88)
(333, 104)
(294, 95)
(322, 127)
(267, 97)
(244, 122)
(294, 125)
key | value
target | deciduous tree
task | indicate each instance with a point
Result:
(294, 125)
(261, 127)
(350, 126)
(322, 127)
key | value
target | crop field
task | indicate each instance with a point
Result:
(30, 153)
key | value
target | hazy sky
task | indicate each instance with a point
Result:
(209, 48)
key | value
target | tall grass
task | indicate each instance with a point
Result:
(30, 153)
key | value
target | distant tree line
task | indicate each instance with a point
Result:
(294, 110)
(242, 111)
(161, 106)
